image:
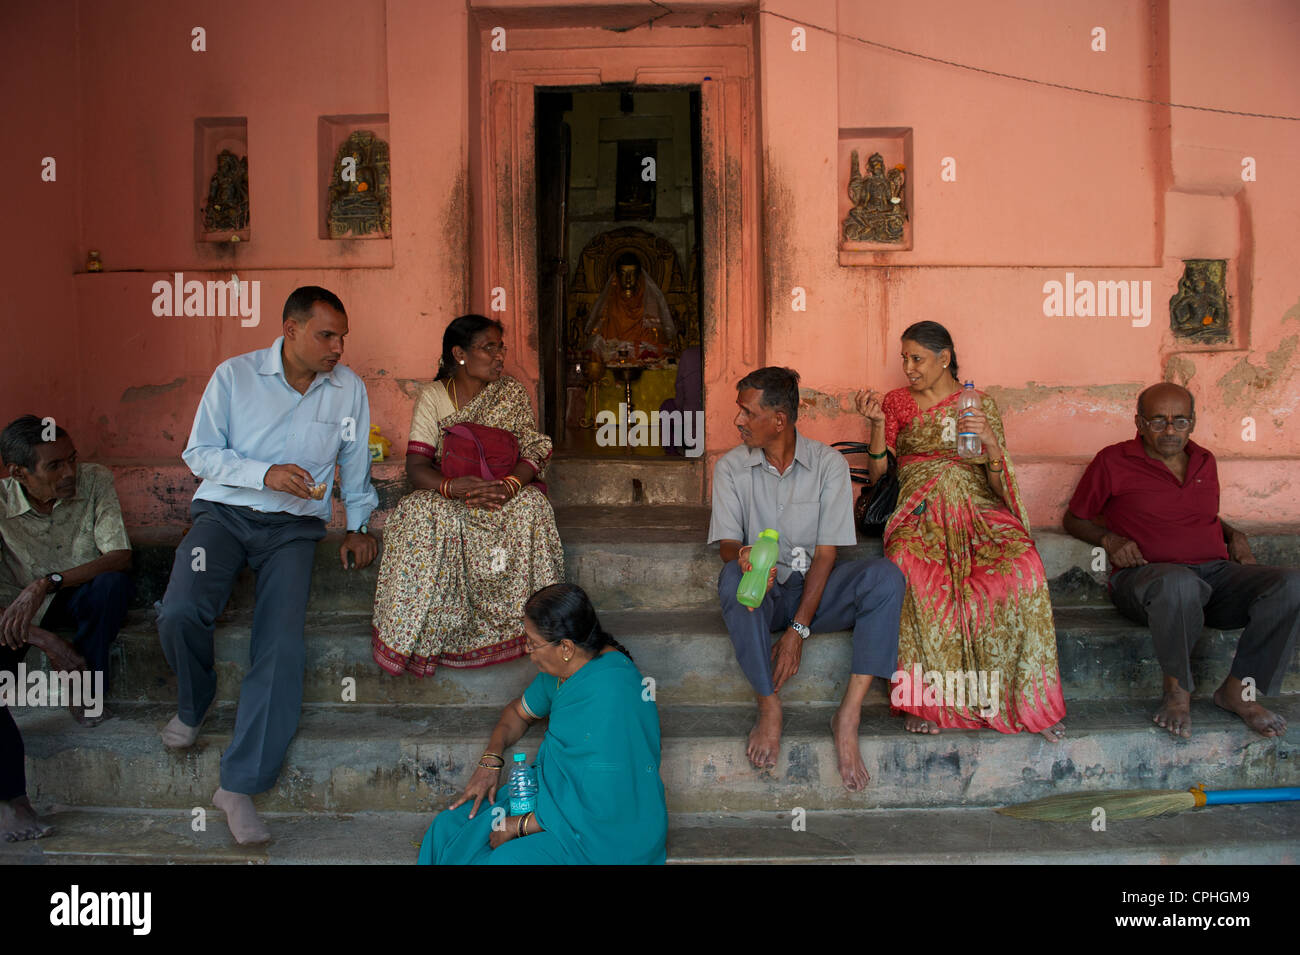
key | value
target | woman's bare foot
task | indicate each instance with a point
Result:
(241, 817)
(848, 751)
(1054, 733)
(1175, 713)
(1262, 721)
(765, 738)
(915, 724)
(19, 822)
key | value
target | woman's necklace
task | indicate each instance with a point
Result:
(454, 405)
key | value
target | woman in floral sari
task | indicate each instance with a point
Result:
(976, 645)
(461, 555)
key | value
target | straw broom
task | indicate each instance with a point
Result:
(1141, 803)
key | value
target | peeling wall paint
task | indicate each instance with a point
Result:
(145, 392)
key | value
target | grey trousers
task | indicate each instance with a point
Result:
(865, 596)
(1177, 600)
(279, 548)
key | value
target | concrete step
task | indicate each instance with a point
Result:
(604, 479)
(356, 757)
(647, 558)
(157, 492)
(1233, 835)
(687, 652)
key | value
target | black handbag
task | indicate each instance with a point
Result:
(876, 502)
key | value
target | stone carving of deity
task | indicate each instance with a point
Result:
(359, 201)
(631, 321)
(1199, 309)
(227, 205)
(879, 208)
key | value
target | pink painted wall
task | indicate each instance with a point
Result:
(1048, 181)
(127, 187)
(38, 72)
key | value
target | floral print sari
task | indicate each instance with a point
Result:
(453, 579)
(976, 645)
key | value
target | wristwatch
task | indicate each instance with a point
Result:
(363, 529)
(56, 581)
(800, 629)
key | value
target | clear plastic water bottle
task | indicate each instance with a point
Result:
(523, 786)
(968, 443)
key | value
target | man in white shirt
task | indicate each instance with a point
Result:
(292, 403)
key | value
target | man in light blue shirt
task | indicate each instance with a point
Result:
(270, 428)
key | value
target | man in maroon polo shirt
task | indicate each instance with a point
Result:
(1153, 503)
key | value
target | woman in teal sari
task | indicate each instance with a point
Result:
(600, 798)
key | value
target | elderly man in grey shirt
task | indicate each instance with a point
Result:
(799, 487)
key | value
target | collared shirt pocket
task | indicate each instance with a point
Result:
(320, 446)
(799, 521)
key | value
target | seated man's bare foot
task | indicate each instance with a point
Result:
(848, 752)
(765, 738)
(1262, 721)
(1175, 713)
(915, 724)
(241, 817)
(178, 735)
(19, 822)
(1054, 733)
(62, 655)
(85, 719)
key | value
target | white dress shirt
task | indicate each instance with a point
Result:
(251, 418)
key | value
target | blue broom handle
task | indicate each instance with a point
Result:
(1220, 797)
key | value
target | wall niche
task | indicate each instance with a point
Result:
(875, 193)
(355, 177)
(221, 203)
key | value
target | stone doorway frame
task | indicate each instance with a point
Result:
(720, 62)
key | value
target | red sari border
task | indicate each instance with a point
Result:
(396, 663)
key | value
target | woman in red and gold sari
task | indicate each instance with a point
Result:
(976, 643)
(463, 553)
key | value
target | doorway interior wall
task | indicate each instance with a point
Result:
(504, 265)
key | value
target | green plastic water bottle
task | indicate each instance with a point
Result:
(762, 558)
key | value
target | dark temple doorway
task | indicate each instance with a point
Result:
(619, 226)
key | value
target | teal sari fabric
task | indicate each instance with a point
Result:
(600, 797)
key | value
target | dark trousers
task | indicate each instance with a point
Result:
(1177, 600)
(865, 596)
(13, 772)
(96, 610)
(279, 548)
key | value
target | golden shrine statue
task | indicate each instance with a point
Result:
(631, 321)
(659, 301)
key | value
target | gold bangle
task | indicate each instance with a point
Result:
(997, 467)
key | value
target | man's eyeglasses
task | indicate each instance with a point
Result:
(1159, 424)
(493, 349)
